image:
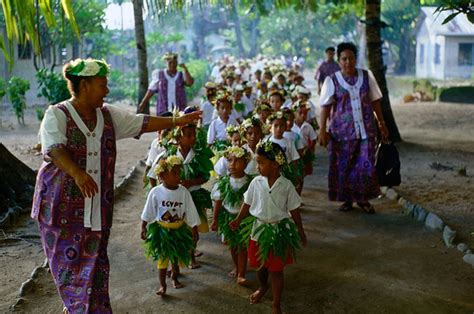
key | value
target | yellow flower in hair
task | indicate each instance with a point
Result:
(232, 129)
(167, 164)
(236, 151)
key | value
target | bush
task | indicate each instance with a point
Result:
(17, 88)
(52, 86)
(123, 86)
(459, 94)
(3, 88)
(199, 71)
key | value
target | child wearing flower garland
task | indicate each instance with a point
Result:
(228, 194)
(271, 199)
(195, 171)
(278, 127)
(253, 134)
(155, 149)
(217, 133)
(239, 109)
(262, 111)
(307, 134)
(234, 139)
(168, 217)
(276, 100)
(206, 106)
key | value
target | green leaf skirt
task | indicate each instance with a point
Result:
(169, 243)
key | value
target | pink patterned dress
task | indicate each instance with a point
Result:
(77, 254)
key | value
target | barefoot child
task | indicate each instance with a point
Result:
(228, 195)
(167, 217)
(195, 171)
(271, 199)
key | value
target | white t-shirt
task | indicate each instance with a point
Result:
(306, 132)
(236, 184)
(217, 129)
(207, 111)
(270, 205)
(153, 152)
(249, 103)
(295, 138)
(328, 89)
(288, 146)
(167, 205)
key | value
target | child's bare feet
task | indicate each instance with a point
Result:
(258, 295)
(276, 309)
(176, 284)
(241, 281)
(194, 265)
(161, 291)
(232, 273)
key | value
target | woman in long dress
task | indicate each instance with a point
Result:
(74, 193)
(350, 100)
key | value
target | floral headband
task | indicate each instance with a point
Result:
(167, 164)
(277, 115)
(250, 122)
(300, 104)
(222, 96)
(262, 107)
(271, 151)
(232, 129)
(170, 56)
(237, 152)
(88, 67)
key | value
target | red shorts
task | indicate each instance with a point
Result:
(273, 263)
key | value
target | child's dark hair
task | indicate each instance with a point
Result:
(278, 94)
(271, 151)
(346, 46)
(330, 49)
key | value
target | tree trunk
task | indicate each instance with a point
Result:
(374, 48)
(254, 36)
(238, 30)
(198, 27)
(17, 183)
(141, 52)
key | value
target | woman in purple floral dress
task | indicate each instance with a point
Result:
(169, 86)
(350, 100)
(73, 199)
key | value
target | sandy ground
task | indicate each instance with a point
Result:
(354, 263)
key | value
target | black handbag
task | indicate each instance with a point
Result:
(387, 164)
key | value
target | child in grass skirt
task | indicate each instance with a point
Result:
(271, 199)
(197, 165)
(217, 133)
(228, 194)
(168, 217)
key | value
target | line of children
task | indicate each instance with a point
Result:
(266, 138)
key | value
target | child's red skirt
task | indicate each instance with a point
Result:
(273, 263)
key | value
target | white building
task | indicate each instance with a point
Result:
(444, 50)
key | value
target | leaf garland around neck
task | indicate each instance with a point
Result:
(231, 196)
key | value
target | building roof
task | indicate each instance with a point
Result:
(459, 26)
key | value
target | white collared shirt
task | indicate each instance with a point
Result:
(270, 205)
(167, 205)
(217, 129)
(153, 152)
(288, 146)
(306, 132)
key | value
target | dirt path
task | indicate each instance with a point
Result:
(354, 263)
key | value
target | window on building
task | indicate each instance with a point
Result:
(422, 53)
(466, 54)
(24, 51)
(437, 56)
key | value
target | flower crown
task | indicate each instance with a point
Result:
(167, 164)
(263, 105)
(250, 122)
(237, 152)
(277, 115)
(300, 104)
(169, 56)
(88, 67)
(232, 129)
(272, 153)
(221, 96)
